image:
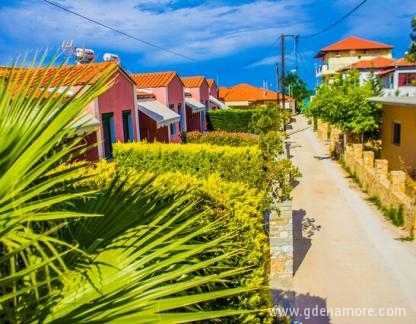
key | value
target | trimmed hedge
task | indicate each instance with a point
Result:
(239, 164)
(221, 138)
(238, 208)
(231, 120)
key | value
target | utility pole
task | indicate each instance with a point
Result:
(283, 79)
(277, 86)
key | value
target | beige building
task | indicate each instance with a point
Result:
(346, 52)
(398, 132)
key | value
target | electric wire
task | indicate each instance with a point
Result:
(119, 31)
(337, 21)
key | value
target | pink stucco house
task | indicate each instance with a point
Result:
(110, 117)
(161, 105)
(197, 102)
(215, 103)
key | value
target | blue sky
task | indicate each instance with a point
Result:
(230, 41)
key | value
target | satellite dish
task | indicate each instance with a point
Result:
(108, 57)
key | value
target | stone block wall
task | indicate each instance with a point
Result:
(281, 242)
(374, 177)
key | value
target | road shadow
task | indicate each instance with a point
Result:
(304, 229)
(310, 309)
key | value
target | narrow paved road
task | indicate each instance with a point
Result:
(346, 254)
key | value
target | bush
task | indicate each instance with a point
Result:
(240, 164)
(238, 208)
(221, 138)
(231, 120)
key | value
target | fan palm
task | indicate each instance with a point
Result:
(70, 253)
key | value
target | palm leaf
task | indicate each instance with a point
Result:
(35, 123)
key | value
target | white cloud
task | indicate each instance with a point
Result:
(202, 31)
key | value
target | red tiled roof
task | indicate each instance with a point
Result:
(378, 62)
(222, 92)
(144, 94)
(355, 43)
(403, 62)
(211, 82)
(64, 75)
(247, 92)
(193, 81)
(153, 80)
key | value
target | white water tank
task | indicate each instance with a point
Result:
(108, 57)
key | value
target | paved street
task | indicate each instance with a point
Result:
(346, 254)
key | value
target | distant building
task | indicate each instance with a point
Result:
(396, 75)
(246, 96)
(346, 52)
(161, 108)
(398, 132)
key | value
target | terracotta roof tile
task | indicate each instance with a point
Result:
(246, 92)
(355, 43)
(58, 76)
(211, 82)
(404, 62)
(153, 80)
(378, 62)
(193, 81)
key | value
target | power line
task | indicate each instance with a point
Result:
(336, 22)
(119, 31)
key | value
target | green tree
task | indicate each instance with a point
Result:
(71, 253)
(296, 88)
(411, 54)
(344, 103)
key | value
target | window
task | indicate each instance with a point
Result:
(173, 125)
(127, 127)
(109, 134)
(396, 133)
(180, 112)
(406, 79)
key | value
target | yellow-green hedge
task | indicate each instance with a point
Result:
(221, 138)
(235, 204)
(241, 164)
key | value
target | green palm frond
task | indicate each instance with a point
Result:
(36, 114)
(152, 271)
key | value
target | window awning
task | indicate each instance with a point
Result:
(218, 103)
(384, 72)
(85, 124)
(162, 115)
(195, 105)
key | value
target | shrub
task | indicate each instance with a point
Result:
(238, 208)
(231, 120)
(221, 138)
(240, 164)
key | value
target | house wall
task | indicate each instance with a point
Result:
(193, 120)
(333, 61)
(150, 132)
(119, 98)
(92, 154)
(176, 96)
(406, 151)
(172, 94)
(337, 60)
(213, 91)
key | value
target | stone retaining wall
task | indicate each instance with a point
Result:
(377, 181)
